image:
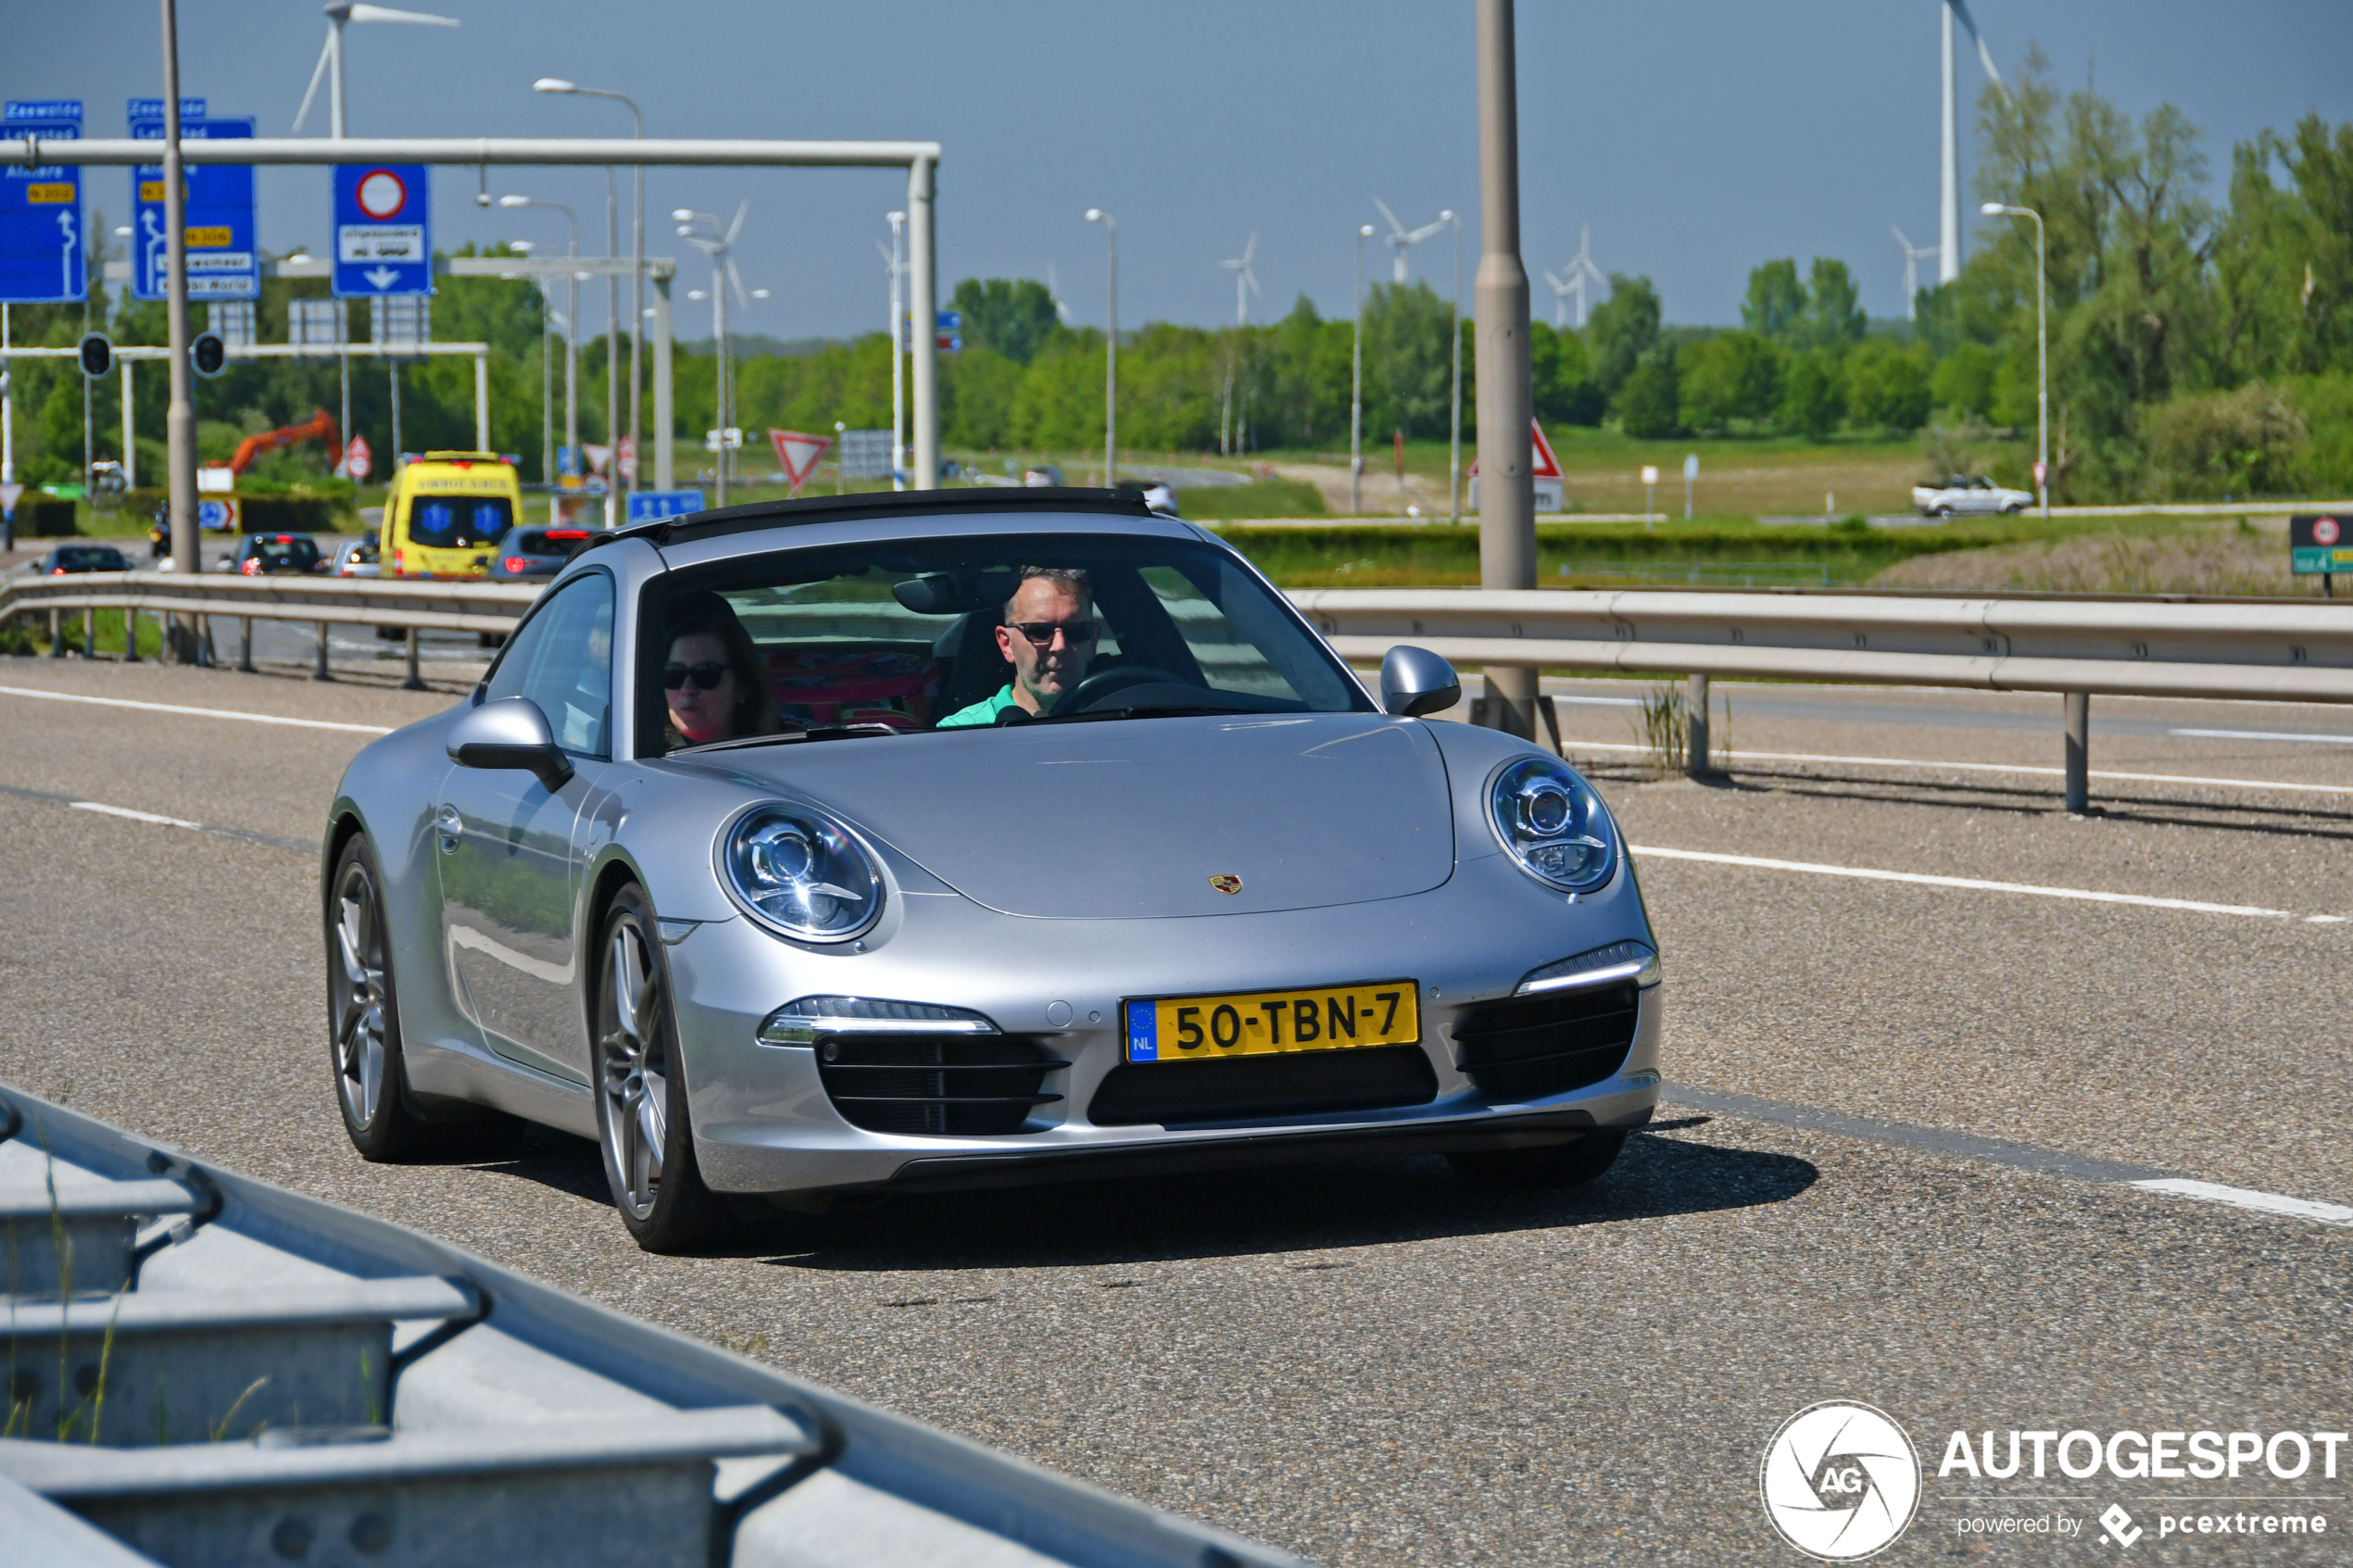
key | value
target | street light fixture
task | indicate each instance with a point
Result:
(572, 320)
(2042, 354)
(1454, 413)
(1356, 379)
(1111, 354)
(636, 261)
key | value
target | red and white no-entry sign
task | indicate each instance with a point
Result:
(382, 194)
(799, 454)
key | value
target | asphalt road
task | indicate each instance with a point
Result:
(1896, 1169)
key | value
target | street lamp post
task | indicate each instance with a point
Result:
(2042, 355)
(898, 356)
(1111, 356)
(1455, 411)
(1506, 497)
(1356, 378)
(572, 320)
(636, 262)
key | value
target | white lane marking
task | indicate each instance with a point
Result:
(195, 712)
(2246, 1198)
(1729, 756)
(2264, 734)
(1974, 885)
(135, 816)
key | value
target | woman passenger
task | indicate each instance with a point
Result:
(712, 681)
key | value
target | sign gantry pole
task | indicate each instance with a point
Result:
(1507, 495)
(179, 419)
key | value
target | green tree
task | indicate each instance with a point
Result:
(1013, 317)
(1776, 301)
(1621, 329)
(1812, 397)
(1407, 361)
(1561, 373)
(1730, 376)
(1649, 402)
(1887, 385)
(1835, 318)
(1963, 380)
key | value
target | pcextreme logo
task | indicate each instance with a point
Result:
(1841, 1481)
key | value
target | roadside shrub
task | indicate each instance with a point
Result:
(1649, 405)
(1812, 398)
(2206, 445)
(1887, 387)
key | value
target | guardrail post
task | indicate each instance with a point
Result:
(130, 637)
(244, 646)
(321, 673)
(89, 634)
(1695, 724)
(414, 683)
(2079, 736)
(57, 634)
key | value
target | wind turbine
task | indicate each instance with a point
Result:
(1402, 240)
(1948, 250)
(1912, 254)
(1580, 270)
(1245, 280)
(338, 13)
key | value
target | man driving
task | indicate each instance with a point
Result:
(1049, 634)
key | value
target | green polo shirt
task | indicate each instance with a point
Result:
(982, 712)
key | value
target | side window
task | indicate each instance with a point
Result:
(562, 660)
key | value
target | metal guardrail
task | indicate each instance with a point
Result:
(414, 604)
(249, 1377)
(2255, 651)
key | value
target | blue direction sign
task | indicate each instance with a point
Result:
(41, 233)
(384, 231)
(652, 506)
(224, 258)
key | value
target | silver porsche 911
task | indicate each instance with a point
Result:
(905, 843)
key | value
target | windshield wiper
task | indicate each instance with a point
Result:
(784, 737)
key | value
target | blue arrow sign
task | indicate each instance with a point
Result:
(384, 231)
(41, 233)
(224, 258)
(652, 506)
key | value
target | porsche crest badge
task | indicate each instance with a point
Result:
(1226, 883)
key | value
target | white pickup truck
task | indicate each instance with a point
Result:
(1959, 496)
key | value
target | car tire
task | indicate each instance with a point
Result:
(363, 1016)
(643, 1126)
(1556, 1165)
(1941, 512)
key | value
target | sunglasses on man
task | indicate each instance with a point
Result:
(1075, 633)
(706, 675)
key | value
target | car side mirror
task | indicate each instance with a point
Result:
(1415, 681)
(510, 733)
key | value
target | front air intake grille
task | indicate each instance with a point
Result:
(1295, 1084)
(956, 1084)
(1531, 1047)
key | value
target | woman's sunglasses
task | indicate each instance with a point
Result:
(706, 675)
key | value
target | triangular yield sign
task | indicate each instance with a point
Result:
(799, 454)
(1543, 464)
(8, 493)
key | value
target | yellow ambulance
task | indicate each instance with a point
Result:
(446, 512)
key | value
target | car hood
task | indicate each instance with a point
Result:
(1132, 819)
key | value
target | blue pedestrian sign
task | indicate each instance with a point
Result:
(41, 235)
(221, 242)
(652, 506)
(384, 231)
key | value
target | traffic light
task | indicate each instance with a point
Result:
(208, 354)
(97, 355)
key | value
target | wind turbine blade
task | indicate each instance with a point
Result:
(735, 280)
(1899, 236)
(1984, 55)
(1558, 287)
(884, 251)
(1250, 278)
(1585, 265)
(1395, 228)
(1250, 250)
(387, 14)
(318, 74)
(737, 226)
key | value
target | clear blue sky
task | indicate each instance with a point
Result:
(1698, 137)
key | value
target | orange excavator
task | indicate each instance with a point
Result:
(319, 426)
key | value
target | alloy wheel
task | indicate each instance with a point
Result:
(634, 1084)
(360, 1002)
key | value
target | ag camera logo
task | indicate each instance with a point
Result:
(1841, 1481)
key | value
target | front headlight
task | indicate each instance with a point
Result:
(1553, 824)
(801, 873)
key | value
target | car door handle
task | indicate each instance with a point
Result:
(449, 825)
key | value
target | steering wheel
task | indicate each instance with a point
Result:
(1089, 693)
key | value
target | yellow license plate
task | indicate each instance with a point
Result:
(1380, 1012)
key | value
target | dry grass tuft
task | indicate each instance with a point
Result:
(2231, 563)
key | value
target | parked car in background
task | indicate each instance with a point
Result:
(536, 555)
(82, 558)
(266, 555)
(357, 557)
(1964, 496)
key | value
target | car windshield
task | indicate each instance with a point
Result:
(458, 523)
(292, 550)
(92, 559)
(564, 542)
(913, 637)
